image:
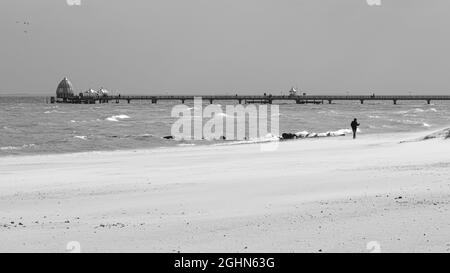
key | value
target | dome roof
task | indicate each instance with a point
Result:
(65, 89)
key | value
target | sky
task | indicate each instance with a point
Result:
(226, 46)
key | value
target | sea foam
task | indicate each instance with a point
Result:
(117, 117)
(81, 137)
(9, 148)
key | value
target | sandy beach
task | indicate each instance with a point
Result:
(315, 195)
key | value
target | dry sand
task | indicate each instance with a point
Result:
(315, 195)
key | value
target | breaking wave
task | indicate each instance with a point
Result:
(117, 118)
(267, 138)
(340, 132)
(418, 110)
(410, 122)
(84, 121)
(53, 111)
(12, 148)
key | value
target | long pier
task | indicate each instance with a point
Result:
(269, 99)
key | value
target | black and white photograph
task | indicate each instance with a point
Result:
(225, 126)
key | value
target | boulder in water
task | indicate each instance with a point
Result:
(288, 136)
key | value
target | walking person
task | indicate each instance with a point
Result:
(355, 125)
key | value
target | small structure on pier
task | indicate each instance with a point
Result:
(89, 93)
(64, 91)
(103, 92)
(292, 92)
(93, 93)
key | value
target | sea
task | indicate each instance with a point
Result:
(30, 125)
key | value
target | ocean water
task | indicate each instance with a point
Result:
(28, 125)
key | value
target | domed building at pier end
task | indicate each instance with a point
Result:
(64, 90)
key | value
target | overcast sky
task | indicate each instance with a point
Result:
(226, 46)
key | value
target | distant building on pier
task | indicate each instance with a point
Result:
(103, 92)
(64, 90)
(293, 92)
(90, 92)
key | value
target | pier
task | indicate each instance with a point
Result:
(269, 99)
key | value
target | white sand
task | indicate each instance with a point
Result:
(330, 195)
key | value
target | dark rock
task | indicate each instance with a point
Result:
(288, 136)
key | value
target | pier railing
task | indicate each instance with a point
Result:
(300, 99)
